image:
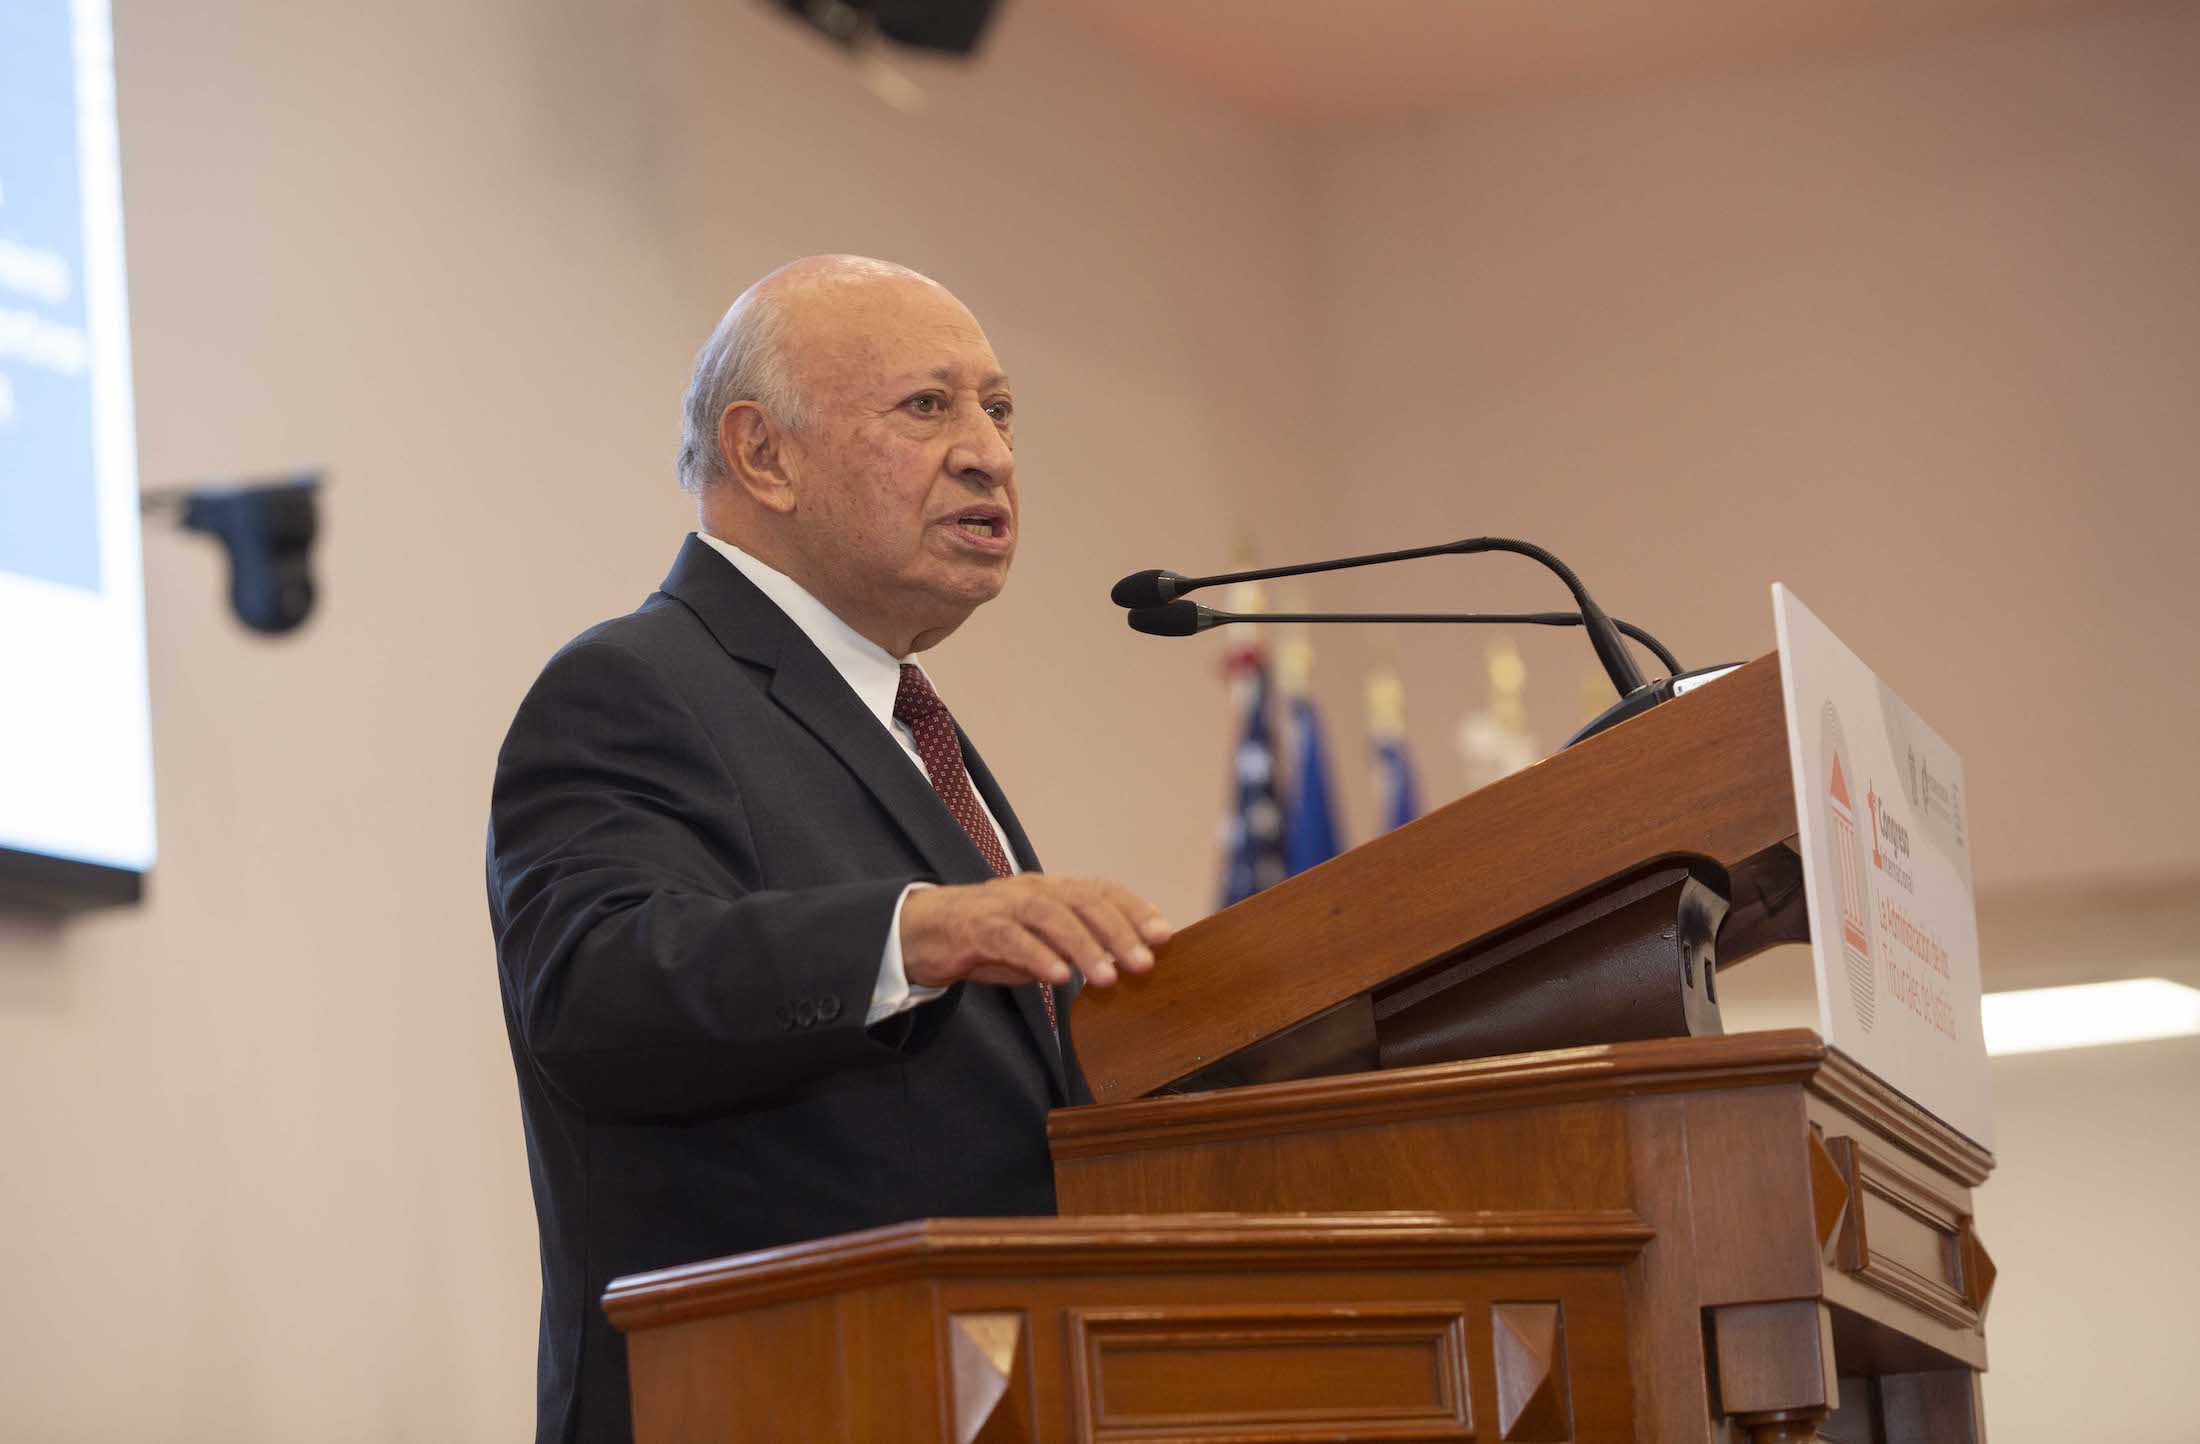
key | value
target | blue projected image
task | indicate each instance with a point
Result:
(49, 514)
(76, 755)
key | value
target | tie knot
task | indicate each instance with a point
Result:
(915, 701)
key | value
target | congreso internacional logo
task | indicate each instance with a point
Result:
(1847, 846)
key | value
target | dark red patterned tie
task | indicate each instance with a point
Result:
(920, 709)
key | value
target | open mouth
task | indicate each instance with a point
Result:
(983, 523)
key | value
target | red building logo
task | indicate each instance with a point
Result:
(1845, 843)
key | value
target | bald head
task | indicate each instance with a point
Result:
(760, 348)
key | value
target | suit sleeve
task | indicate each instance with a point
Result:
(642, 975)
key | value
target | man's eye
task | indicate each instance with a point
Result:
(1001, 411)
(925, 405)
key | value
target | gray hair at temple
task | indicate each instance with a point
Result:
(744, 360)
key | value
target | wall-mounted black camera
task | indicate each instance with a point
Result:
(267, 528)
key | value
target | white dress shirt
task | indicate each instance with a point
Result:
(874, 674)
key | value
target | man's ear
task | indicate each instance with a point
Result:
(756, 458)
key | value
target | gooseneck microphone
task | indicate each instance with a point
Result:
(1183, 618)
(1155, 601)
(1159, 588)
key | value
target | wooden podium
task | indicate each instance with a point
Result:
(1438, 1141)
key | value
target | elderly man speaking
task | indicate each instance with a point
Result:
(777, 960)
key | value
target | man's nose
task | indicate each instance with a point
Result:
(980, 453)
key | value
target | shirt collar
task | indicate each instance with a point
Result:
(872, 672)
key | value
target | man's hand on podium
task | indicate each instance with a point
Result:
(1033, 927)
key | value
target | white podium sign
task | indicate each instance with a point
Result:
(1880, 823)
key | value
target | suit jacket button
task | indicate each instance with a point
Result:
(805, 1012)
(786, 1018)
(828, 1008)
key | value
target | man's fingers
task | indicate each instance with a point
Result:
(1117, 933)
(1031, 928)
(1029, 954)
(1152, 927)
(1063, 929)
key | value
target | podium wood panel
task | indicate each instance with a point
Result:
(1703, 776)
(1730, 1148)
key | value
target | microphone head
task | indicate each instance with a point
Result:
(1172, 619)
(1151, 588)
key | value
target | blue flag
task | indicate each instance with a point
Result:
(1401, 799)
(1252, 835)
(1309, 817)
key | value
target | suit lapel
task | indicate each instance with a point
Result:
(747, 624)
(817, 697)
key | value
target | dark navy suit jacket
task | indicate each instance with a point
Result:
(697, 837)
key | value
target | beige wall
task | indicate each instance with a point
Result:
(1917, 334)
(264, 1174)
(265, 1178)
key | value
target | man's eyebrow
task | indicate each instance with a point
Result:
(946, 375)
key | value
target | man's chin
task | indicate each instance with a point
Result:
(975, 582)
(950, 601)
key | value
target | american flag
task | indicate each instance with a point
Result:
(1252, 833)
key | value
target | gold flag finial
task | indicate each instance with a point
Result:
(1494, 740)
(1386, 704)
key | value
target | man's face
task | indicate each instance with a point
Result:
(905, 477)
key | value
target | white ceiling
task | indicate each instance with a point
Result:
(1322, 61)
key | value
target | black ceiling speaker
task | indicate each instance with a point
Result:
(951, 26)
